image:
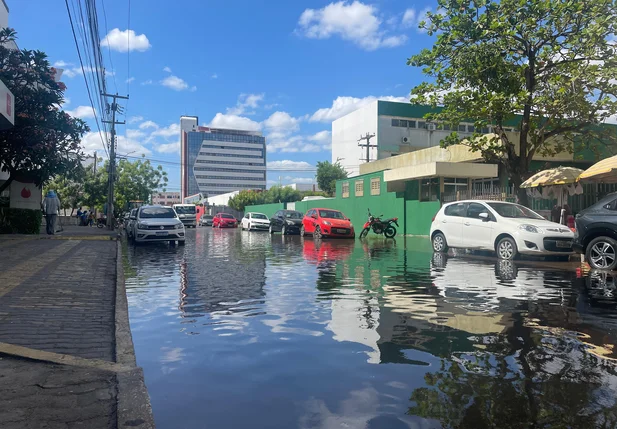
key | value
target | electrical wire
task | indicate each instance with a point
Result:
(85, 79)
(111, 63)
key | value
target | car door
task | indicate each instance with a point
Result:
(275, 222)
(215, 221)
(451, 223)
(245, 221)
(478, 232)
(309, 222)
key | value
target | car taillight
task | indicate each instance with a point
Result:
(433, 220)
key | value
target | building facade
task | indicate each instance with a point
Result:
(166, 198)
(304, 187)
(216, 161)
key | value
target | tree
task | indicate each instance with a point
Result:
(281, 194)
(45, 141)
(69, 190)
(136, 181)
(245, 198)
(328, 174)
(552, 62)
(95, 188)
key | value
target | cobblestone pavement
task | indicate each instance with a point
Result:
(57, 296)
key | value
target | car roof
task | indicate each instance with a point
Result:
(323, 208)
(149, 206)
(480, 201)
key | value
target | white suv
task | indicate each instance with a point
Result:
(505, 228)
(157, 223)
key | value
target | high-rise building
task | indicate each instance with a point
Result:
(215, 161)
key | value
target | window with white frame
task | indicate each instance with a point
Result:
(345, 189)
(359, 188)
(375, 186)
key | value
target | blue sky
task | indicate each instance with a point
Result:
(287, 68)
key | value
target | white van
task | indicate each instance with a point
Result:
(187, 214)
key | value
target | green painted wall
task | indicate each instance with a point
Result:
(267, 209)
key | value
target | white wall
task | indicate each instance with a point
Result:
(345, 134)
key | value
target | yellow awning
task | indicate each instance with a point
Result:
(604, 171)
(553, 176)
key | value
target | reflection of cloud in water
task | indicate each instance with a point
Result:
(359, 411)
(172, 354)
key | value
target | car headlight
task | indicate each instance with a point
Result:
(289, 222)
(351, 225)
(142, 225)
(325, 222)
(531, 228)
(179, 226)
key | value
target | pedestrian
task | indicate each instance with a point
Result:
(51, 210)
(84, 218)
(91, 218)
(79, 213)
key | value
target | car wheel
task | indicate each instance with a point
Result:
(506, 249)
(284, 230)
(248, 227)
(302, 231)
(601, 253)
(270, 229)
(317, 234)
(440, 245)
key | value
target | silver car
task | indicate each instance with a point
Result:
(157, 223)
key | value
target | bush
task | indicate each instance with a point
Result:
(20, 221)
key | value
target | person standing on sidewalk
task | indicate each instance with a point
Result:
(51, 210)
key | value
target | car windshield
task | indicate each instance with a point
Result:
(185, 209)
(331, 214)
(514, 211)
(207, 217)
(157, 213)
(227, 216)
(294, 215)
(259, 216)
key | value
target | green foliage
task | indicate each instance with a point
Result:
(328, 174)
(45, 141)
(137, 180)
(276, 194)
(20, 221)
(552, 61)
(69, 190)
(94, 188)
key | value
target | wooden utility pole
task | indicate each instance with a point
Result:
(367, 145)
(112, 158)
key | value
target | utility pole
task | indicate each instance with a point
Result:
(94, 173)
(112, 157)
(368, 145)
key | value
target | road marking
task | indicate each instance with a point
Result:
(62, 359)
(19, 274)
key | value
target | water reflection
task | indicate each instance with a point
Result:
(377, 333)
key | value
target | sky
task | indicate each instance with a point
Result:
(285, 68)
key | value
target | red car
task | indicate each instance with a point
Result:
(326, 223)
(224, 220)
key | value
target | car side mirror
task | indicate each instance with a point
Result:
(314, 216)
(484, 216)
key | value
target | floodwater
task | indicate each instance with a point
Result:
(244, 330)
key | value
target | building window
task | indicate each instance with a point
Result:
(402, 123)
(375, 186)
(429, 189)
(455, 189)
(411, 124)
(395, 122)
(345, 189)
(421, 124)
(470, 128)
(359, 188)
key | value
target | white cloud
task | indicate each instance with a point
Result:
(168, 147)
(70, 73)
(321, 137)
(409, 18)
(175, 83)
(310, 147)
(356, 22)
(130, 79)
(148, 124)
(123, 41)
(171, 131)
(167, 69)
(284, 144)
(287, 164)
(147, 82)
(282, 122)
(245, 102)
(134, 134)
(82, 112)
(306, 180)
(134, 119)
(234, 122)
(67, 101)
(214, 76)
(91, 142)
(62, 64)
(343, 105)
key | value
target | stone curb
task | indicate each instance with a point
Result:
(133, 406)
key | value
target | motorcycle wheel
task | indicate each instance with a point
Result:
(364, 233)
(390, 231)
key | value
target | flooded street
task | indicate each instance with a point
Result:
(247, 330)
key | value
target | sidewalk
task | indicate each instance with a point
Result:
(66, 356)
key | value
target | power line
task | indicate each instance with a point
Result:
(111, 63)
(85, 79)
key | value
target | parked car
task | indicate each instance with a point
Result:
(224, 220)
(128, 223)
(157, 223)
(505, 228)
(596, 233)
(286, 221)
(322, 223)
(258, 221)
(206, 220)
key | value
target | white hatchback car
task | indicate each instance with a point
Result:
(257, 221)
(507, 229)
(157, 223)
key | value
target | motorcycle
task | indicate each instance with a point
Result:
(379, 226)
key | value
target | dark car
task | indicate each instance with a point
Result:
(286, 221)
(206, 220)
(596, 233)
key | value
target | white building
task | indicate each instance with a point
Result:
(216, 161)
(397, 127)
(304, 187)
(166, 198)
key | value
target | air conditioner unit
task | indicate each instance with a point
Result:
(431, 127)
(405, 140)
